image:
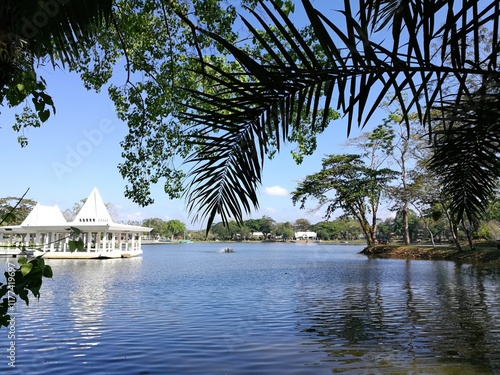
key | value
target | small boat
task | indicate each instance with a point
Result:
(228, 250)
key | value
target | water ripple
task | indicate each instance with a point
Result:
(190, 309)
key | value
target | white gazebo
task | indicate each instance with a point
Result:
(47, 232)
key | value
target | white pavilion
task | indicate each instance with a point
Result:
(47, 232)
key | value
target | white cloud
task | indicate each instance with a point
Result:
(276, 191)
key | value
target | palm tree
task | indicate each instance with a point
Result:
(424, 50)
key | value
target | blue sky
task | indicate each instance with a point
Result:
(78, 148)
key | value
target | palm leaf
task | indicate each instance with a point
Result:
(466, 158)
(382, 47)
(37, 29)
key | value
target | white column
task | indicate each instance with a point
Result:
(89, 240)
(98, 246)
(104, 239)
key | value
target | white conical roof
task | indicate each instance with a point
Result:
(93, 211)
(43, 216)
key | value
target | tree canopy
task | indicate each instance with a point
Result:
(345, 182)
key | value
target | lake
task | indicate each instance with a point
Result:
(266, 308)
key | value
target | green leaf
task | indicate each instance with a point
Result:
(5, 320)
(40, 262)
(75, 245)
(23, 294)
(44, 115)
(26, 268)
(47, 272)
(75, 230)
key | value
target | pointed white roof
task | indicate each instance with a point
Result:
(93, 211)
(44, 215)
(93, 216)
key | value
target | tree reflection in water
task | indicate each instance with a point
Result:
(394, 316)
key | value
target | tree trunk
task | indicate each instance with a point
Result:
(367, 230)
(406, 225)
(454, 231)
(426, 223)
(373, 229)
(432, 237)
(468, 231)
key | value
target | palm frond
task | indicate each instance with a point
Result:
(379, 47)
(53, 28)
(466, 157)
(226, 171)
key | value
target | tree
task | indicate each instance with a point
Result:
(427, 192)
(404, 149)
(14, 210)
(327, 230)
(284, 231)
(381, 47)
(230, 231)
(356, 190)
(385, 229)
(160, 229)
(163, 50)
(70, 213)
(160, 46)
(265, 225)
(301, 225)
(175, 228)
(406, 225)
(377, 147)
(220, 231)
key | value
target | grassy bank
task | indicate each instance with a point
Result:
(486, 254)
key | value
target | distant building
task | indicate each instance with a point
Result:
(307, 235)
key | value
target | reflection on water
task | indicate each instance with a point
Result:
(269, 308)
(411, 317)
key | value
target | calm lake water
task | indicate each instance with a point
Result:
(266, 308)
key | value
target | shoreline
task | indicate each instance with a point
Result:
(485, 255)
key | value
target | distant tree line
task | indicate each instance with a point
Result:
(433, 226)
(170, 229)
(427, 225)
